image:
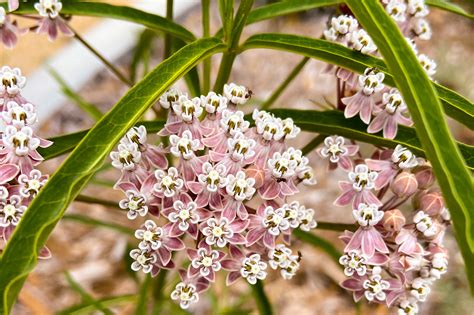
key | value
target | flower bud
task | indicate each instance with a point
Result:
(432, 203)
(256, 173)
(404, 184)
(393, 220)
(424, 176)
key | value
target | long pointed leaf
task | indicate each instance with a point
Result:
(427, 113)
(456, 106)
(448, 6)
(20, 254)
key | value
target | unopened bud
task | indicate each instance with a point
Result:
(424, 176)
(405, 184)
(432, 203)
(256, 173)
(393, 220)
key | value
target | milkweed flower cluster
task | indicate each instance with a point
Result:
(393, 256)
(20, 181)
(227, 195)
(377, 105)
(49, 22)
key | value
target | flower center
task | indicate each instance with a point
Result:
(206, 261)
(9, 211)
(184, 214)
(217, 231)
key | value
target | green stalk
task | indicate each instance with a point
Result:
(158, 286)
(319, 242)
(206, 33)
(90, 221)
(263, 304)
(89, 199)
(291, 76)
(142, 303)
(169, 15)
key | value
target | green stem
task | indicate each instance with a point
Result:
(224, 71)
(291, 76)
(313, 144)
(263, 304)
(89, 199)
(142, 302)
(206, 33)
(319, 242)
(338, 227)
(102, 58)
(158, 286)
(90, 221)
(169, 15)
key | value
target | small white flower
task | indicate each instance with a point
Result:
(214, 177)
(11, 80)
(270, 128)
(293, 213)
(362, 178)
(217, 231)
(20, 141)
(168, 183)
(240, 187)
(233, 122)
(281, 165)
(31, 185)
(184, 214)
(333, 148)
(143, 260)
(206, 262)
(330, 34)
(374, 287)
(420, 289)
(297, 156)
(135, 203)
(188, 109)
(404, 158)
(289, 129)
(3, 193)
(253, 268)
(306, 175)
(136, 135)
(240, 147)
(417, 8)
(184, 146)
(397, 10)
(150, 236)
(407, 307)
(274, 221)
(306, 218)
(344, 25)
(279, 257)
(127, 157)
(412, 44)
(11, 211)
(213, 103)
(354, 261)
(439, 265)
(361, 41)
(186, 294)
(445, 215)
(393, 102)
(367, 215)
(19, 115)
(49, 8)
(425, 224)
(422, 29)
(237, 94)
(170, 98)
(428, 64)
(289, 271)
(371, 81)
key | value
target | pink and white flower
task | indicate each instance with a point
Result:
(9, 31)
(51, 21)
(338, 152)
(267, 225)
(205, 262)
(239, 188)
(211, 180)
(358, 190)
(221, 231)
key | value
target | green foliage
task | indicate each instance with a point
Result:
(457, 107)
(319, 242)
(20, 254)
(448, 6)
(88, 307)
(426, 111)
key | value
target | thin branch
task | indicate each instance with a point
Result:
(263, 304)
(93, 200)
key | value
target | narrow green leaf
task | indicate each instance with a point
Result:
(86, 297)
(291, 76)
(142, 52)
(142, 303)
(94, 222)
(192, 77)
(129, 14)
(88, 108)
(226, 10)
(456, 106)
(427, 113)
(263, 303)
(318, 242)
(448, 6)
(88, 308)
(276, 9)
(334, 122)
(20, 255)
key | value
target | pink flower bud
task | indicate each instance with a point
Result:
(256, 173)
(431, 203)
(424, 176)
(393, 220)
(405, 184)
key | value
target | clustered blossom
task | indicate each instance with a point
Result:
(393, 257)
(49, 22)
(222, 165)
(20, 181)
(378, 106)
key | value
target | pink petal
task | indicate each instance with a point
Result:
(390, 130)
(366, 110)
(377, 123)
(239, 225)
(368, 247)
(8, 172)
(232, 277)
(345, 198)
(270, 190)
(269, 240)
(165, 255)
(237, 239)
(174, 244)
(345, 163)
(254, 236)
(355, 242)
(351, 284)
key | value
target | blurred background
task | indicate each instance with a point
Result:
(96, 256)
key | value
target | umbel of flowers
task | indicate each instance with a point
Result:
(224, 200)
(20, 181)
